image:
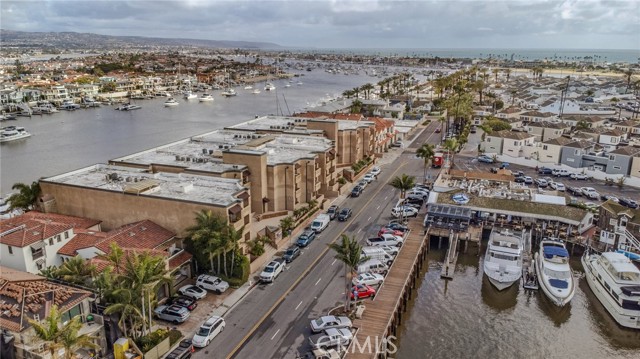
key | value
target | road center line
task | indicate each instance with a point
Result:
(298, 306)
(369, 220)
(275, 334)
(359, 230)
(319, 279)
(334, 262)
(378, 207)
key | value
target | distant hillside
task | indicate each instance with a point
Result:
(75, 40)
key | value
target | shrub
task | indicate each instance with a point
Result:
(240, 273)
(149, 341)
(342, 180)
(174, 336)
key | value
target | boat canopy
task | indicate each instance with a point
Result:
(631, 290)
(552, 251)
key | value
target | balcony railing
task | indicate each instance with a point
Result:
(37, 253)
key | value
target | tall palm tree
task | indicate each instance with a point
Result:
(507, 73)
(233, 237)
(76, 271)
(58, 335)
(404, 183)
(495, 73)
(451, 145)
(628, 73)
(287, 224)
(26, 198)
(206, 237)
(349, 252)
(425, 152)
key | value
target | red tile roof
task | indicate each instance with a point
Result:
(31, 227)
(180, 259)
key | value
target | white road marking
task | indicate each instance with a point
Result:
(386, 197)
(319, 279)
(275, 334)
(378, 207)
(298, 306)
(359, 230)
(369, 220)
(334, 261)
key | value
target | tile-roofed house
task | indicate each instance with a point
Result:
(549, 151)
(546, 130)
(615, 220)
(27, 296)
(510, 143)
(536, 116)
(29, 242)
(625, 126)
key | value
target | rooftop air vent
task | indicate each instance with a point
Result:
(205, 151)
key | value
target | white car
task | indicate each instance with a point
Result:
(330, 321)
(391, 250)
(207, 331)
(363, 184)
(172, 313)
(590, 192)
(271, 271)
(375, 171)
(560, 172)
(404, 211)
(331, 338)
(591, 205)
(192, 291)
(369, 178)
(579, 176)
(368, 279)
(558, 186)
(212, 283)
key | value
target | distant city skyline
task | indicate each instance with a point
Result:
(469, 24)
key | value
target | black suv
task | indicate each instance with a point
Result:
(333, 211)
(545, 171)
(345, 213)
(356, 191)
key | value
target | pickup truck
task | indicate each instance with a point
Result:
(331, 338)
(182, 351)
(272, 270)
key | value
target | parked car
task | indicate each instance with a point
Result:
(306, 238)
(331, 338)
(579, 176)
(608, 197)
(438, 130)
(384, 241)
(333, 211)
(368, 178)
(576, 191)
(212, 283)
(326, 354)
(485, 159)
(192, 291)
(329, 322)
(494, 169)
(208, 331)
(397, 226)
(528, 180)
(558, 186)
(560, 172)
(628, 202)
(368, 279)
(545, 171)
(272, 271)
(590, 192)
(519, 179)
(541, 182)
(291, 253)
(404, 211)
(363, 184)
(320, 223)
(356, 191)
(375, 171)
(591, 206)
(417, 194)
(345, 214)
(184, 301)
(373, 266)
(172, 313)
(385, 230)
(363, 290)
(392, 250)
(518, 174)
(396, 144)
(182, 351)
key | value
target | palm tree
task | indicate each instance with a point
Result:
(58, 335)
(76, 271)
(425, 152)
(205, 235)
(287, 224)
(366, 88)
(628, 73)
(451, 145)
(496, 72)
(349, 252)
(233, 236)
(507, 73)
(404, 183)
(26, 197)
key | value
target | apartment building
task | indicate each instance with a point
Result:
(544, 131)
(508, 143)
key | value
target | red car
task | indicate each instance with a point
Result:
(390, 231)
(438, 130)
(364, 291)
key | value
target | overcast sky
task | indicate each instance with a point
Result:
(574, 24)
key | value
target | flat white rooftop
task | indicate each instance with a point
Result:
(204, 189)
(352, 125)
(276, 123)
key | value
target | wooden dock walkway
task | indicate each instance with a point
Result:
(451, 258)
(382, 316)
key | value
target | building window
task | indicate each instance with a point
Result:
(515, 143)
(545, 147)
(576, 152)
(66, 235)
(58, 238)
(75, 311)
(51, 241)
(612, 157)
(570, 159)
(616, 167)
(10, 249)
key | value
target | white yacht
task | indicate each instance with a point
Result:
(255, 91)
(69, 105)
(128, 107)
(503, 259)
(229, 92)
(248, 87)
(13, 133)
(615, 281)
(171, 102)
(269, 87)
(205, 98)
(553, 271)
(188, 95)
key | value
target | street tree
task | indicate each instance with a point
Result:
(26, 198)
(403, 182)
(349, 252)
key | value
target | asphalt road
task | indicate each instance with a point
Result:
(272, 321)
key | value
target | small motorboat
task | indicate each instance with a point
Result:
(171, 102)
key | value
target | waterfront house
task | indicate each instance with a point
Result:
(29, 296)
(619, 225)
(30, 242)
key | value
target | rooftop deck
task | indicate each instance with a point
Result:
(383, 314)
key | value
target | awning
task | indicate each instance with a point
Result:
(40, 261)
(37, 245)
(243, 195)
(237, 208)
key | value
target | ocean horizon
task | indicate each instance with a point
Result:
(599, 55)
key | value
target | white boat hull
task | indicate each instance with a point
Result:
(500, 285)
(559, 299)
(618, 314)
(206, 99)
(15, 137)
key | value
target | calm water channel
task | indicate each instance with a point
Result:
(468, 318)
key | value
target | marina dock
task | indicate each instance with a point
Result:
(456, 241)
(382, 316)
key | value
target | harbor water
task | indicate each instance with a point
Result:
(468, 318)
